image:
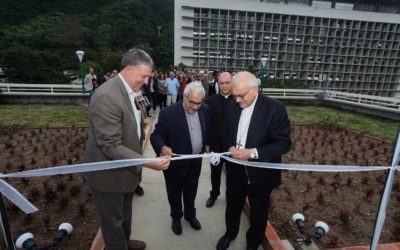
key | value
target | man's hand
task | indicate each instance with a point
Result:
(159, 165)
(166, 151)
(240, 154)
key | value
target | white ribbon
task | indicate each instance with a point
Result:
(20, 201)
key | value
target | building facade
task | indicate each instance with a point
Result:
(344, 45)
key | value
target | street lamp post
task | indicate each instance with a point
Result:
(80, 54)
(263, 72)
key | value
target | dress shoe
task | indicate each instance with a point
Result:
(177, 227)
(136, 245)
(223, 243)
(194, 223)
(139, 190)
(211, 201)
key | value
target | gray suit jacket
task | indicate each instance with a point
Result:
(113, 136)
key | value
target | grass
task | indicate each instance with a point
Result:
(42, 114)
(68, 115)
(371, 125)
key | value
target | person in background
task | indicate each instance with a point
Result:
(211, 85)
(162, 91)
(172, 85)
(218, 104)
(89, 82)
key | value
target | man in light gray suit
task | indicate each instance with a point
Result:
(116, 132)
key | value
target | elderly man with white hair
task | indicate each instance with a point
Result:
(256, 129)
(183, 128)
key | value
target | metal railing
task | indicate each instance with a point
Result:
(373, 102)
(23, 89)
(368, 101)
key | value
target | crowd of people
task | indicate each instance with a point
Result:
(164, 88)
(192, 120)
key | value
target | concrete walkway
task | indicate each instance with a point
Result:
(152, 222)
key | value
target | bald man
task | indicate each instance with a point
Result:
(217, 104)
(256, 129)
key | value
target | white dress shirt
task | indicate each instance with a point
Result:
(137, 113)
(243, 127)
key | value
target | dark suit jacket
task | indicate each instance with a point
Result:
(269, 132)
(172, 130)
(216, 104)
(113, 136)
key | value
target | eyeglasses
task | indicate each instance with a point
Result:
(194, 104)
(242, 96)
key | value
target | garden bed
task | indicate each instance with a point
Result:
(348, 202)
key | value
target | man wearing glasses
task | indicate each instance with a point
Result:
(256, 129)
(183, 129)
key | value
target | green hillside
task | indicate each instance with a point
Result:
(38, 38)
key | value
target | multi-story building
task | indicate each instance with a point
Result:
(353, 45)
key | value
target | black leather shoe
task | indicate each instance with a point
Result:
(223, 243)
(139, 190)
(177, 227)
(211, 201)
(194, 223)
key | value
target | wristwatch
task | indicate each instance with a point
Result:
(253, 154)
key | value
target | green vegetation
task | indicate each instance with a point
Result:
(41, 115)
(69, 115)
(38, 39)
(370, 125)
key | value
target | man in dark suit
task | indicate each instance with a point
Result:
(217, 104)
(183, 129)
(256, 129)
(116, 132)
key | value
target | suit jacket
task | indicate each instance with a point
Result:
(217, 104)
(269, 132)
(172, 130)
(113, 136)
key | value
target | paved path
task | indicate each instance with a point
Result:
(152, 223)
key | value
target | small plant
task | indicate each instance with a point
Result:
(74, 190)
(344, 217)
(288, 193)
(25, 181)
(349, 181)
(28, 219)
(34, 194)
(294, 175)
(364, 180)
(321, 180)
(369, 192)
(63, 202)
(306, 206)
(8, 145)
(49, 195)
(357, 209)
(33, 160)
(320, 197)
(13, 209)
(9, 165)
(46, 221)
(333, 241)
(21, 167)
(82, 209)
(381, 178)
(61, 187)
(54, 160)
(335, 185)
